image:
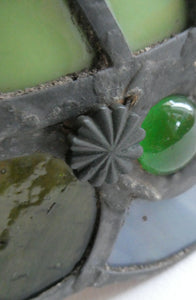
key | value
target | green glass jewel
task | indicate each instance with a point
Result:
(170, 141)
(39, 42)
(145, 22)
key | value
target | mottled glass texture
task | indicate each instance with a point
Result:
(46, 221)
(146, 22)
(39, 42)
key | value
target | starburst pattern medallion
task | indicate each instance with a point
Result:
(105, 144)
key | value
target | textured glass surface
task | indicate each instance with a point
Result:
(145, 22)
(46, 221)
(170, 141)
(38, 42)
(156, 230)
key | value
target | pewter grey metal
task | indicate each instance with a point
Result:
(169, 68)
(105, 144)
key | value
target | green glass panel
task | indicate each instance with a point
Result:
(170, 141)
(145, 22)
(38, 42)
(46, 221)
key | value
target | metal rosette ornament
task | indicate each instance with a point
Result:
(104, 144)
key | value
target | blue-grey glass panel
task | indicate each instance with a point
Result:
(156, 230)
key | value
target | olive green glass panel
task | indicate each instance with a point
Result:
(39, 42)
(145, 22)
(46, 221)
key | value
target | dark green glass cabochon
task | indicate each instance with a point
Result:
(46, 221)
(170, 141)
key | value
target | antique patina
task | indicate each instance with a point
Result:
(61, 219)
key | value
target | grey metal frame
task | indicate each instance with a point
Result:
(140, 80)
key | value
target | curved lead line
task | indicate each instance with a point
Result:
(103, 118)
(89, 171)
(79, 162)
(94, 130)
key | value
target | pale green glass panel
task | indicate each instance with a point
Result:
(145, 22)
(38, 42)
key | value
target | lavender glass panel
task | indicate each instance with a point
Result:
(155, 230)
